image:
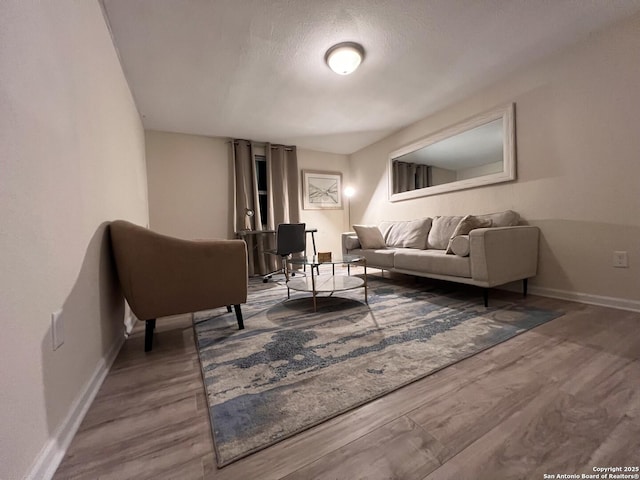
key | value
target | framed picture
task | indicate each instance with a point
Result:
(321, 190)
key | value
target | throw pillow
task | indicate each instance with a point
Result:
(441, 231)
(468, 223)
(406, 234)
(460, 245)
(370, 236)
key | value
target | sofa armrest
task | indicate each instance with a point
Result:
(349, 239)
(503, 254)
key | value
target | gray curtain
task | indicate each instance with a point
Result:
(409, 176)
(423, 174)
(282, 174)
(245, 188)
(282, 199)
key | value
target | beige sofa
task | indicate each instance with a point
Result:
(487, 257)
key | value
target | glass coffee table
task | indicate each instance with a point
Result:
(316, 283)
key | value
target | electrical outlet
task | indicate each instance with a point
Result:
(620, 260)
(57, 329)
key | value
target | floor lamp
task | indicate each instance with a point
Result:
(349, 192)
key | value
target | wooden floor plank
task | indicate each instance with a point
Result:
(621, 446)
(370, 456)
(555, 432)
(609, 381)
(458, 420)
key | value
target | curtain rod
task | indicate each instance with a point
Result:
(262, 144)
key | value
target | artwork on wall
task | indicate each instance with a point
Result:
(321, 190)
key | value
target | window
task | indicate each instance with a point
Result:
(261, 177)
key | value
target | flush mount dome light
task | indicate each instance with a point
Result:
(344, 58)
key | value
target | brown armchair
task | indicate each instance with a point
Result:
(162, 276)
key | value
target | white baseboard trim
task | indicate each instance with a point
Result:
(48, 461)
(600, 300)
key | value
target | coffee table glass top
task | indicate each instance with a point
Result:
(339, 259)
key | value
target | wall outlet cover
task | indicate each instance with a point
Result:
(620, 260)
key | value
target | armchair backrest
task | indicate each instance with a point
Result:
(162, 275)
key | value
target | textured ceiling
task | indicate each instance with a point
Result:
(255, 68)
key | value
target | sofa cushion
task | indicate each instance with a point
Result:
(468, 223)
(508, 218)
(407, 234)
(381, 258)
(441, 230)
(460, 245)
(369, 236)
(432, 261)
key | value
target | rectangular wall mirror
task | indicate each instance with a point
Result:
(476, 152)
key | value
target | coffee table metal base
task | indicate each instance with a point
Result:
(331, 283)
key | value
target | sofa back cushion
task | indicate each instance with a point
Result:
(406, 234)
(508, 218)
(441, 231)
(370, 236)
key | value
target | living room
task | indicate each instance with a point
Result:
(78, 155)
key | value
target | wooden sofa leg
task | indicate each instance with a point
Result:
(229, 308)
(525, 284)
(485, 295)
(239, 317)
(149, 327)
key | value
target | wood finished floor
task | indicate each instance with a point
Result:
(562, 398)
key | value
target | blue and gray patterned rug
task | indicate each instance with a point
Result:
(291, 368)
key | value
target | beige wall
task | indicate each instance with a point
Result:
(577, 118)
(330, 223)
(72, 159)
(189, 185)
(190, 188)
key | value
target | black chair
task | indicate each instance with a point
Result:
(290, 238)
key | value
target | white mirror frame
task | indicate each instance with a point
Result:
(506, 113)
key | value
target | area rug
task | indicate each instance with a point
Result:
(293, 368)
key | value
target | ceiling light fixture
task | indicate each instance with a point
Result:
(345, 57)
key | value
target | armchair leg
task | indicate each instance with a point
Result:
(228, 308)
(485, 295)
(239, 317)
(149, 327)
(525, 284)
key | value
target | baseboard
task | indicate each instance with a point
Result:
(600, 300)
(47, 462)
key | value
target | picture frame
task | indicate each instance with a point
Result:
(321, 190)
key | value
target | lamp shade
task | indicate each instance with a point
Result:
(344, 58)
